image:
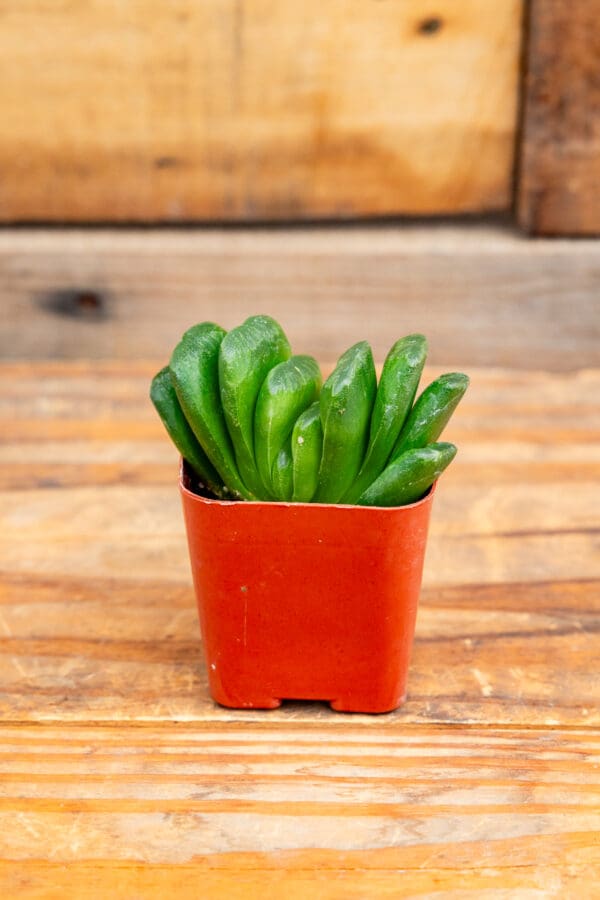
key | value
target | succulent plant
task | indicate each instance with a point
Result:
(254, 422)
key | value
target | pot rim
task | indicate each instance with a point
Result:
(288, 504)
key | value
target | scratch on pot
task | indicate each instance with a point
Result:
(245, 631)
(480, 678)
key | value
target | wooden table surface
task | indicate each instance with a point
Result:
(120, 778)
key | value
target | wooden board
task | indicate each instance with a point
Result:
(297, 811)
(559, 184)
(233, 110)
(483, 295)
(118, 775)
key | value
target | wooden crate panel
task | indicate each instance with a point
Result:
(482, 295)
(255, 109)
(559, 189)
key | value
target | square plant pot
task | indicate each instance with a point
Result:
(306, 601)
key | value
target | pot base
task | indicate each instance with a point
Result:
(365, 705)
(344, 704)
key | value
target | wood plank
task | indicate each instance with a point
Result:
(53, 881)
(68, 660)
(245, 111)
(29, 476)
(338, 809)
(559, 183)
(485, 296)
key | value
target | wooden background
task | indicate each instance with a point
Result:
(263, 110)
(483, 295)
(256, 109)
(559, 150)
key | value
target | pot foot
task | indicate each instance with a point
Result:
(271, 703)
(259, 703)
(355, 705)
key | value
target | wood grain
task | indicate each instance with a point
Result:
(301, 879)
(342, 811)
(559, 183)
(255, 110)
(485, 296)
(119, 776)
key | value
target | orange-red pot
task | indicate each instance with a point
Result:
(306, 601)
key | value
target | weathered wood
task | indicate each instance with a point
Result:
(302, 877)
(345, 811)
(251, 110)
(90, 517)
(559, 183)
(484, 296)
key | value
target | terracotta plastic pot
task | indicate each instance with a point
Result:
(306, 601)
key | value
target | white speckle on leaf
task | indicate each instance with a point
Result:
(300, 439)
